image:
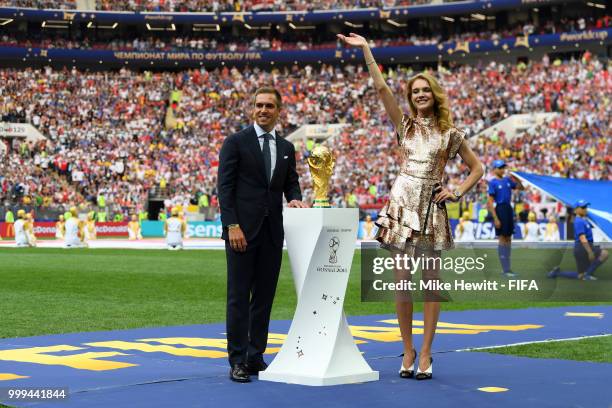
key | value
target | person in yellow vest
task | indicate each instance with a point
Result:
(482, 214)
(143, 215)
(9, 219)
(29, 228)
(90, 228)
(134, 231)
(203, 201)
(101, 216)
(60, 227)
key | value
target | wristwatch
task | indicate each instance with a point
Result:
(233, 226)
(457, 194)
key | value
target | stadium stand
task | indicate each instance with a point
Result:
(106, 130)
(294, 42)
(113, 134)
(213, 6)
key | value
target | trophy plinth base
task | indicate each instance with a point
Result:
(319, 349)
(322, 203)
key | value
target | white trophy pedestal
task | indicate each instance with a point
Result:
(319, 349)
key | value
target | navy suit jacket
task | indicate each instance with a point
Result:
(245, 195)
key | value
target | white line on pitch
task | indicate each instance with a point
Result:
(534, 342)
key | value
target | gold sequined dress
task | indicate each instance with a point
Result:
(424, 153)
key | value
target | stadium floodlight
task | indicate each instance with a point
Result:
(302, 27)
(353, 25)
(55, 24)
(597, 5)
(111, 27)
(206, 27)
(5, 21)
(479, 17)
(171, 28)
(396, 23)
(449, 19)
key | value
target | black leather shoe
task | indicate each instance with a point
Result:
(239, 373)
(427, 374)
(254, 367)
(408, 372)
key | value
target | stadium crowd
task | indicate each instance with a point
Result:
(112, 134)
(197, 43)
(40, 4)
(213, 5)
(296, 41)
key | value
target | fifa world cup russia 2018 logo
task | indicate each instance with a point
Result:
(334, 244)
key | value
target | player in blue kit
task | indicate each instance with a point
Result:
(500, 207)
(588, 256)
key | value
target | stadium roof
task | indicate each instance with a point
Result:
(396, 14)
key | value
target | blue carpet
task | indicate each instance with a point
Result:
(162, 378)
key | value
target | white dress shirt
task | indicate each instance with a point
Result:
(260, 132)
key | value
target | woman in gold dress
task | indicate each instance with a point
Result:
(427, 139)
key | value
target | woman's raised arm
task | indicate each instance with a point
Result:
(385, 93)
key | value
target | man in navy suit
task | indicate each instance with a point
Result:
(256, 167)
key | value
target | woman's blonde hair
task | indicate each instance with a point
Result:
(441, 105)
(531, 217)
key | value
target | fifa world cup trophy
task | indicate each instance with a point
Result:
(321, 163)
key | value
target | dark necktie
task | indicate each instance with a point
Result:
(267, 156)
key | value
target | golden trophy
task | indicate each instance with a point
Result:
(321, 162)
